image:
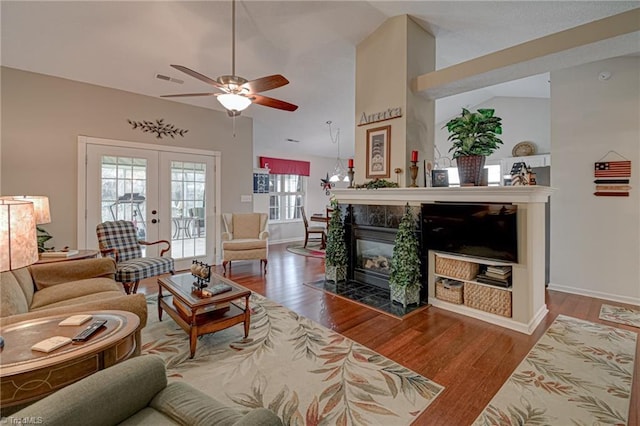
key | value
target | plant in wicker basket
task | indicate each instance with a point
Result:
(404, 277)
(336, 251)
(474, 137)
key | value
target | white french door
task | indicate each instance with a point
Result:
(168, 195)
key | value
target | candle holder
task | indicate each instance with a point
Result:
(351, 173)
(413, 169)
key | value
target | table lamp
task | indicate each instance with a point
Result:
(17, 236)
(42, 215)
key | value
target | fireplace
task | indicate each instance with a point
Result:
(372, 255)
(370, 233)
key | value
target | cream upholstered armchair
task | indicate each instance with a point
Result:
(245, 238)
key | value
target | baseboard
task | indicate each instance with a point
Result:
(287, 240)
(596, 294)
(505, 322)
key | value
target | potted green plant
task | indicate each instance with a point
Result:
(336, 251)
(404, 277)
(474, 138)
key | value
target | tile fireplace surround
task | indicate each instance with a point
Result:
(528, 290)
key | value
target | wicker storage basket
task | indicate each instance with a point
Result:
(449, 294)
(456, 268)
(488, 299)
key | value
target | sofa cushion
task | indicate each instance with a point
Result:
(189, 406)
(48, 274)
(246, 225)
(246, 244)
(76, 292)
(148, 417)
(12, 298)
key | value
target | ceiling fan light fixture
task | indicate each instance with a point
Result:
(234, 102)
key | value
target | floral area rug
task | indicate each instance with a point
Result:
(579, 373)
(304, 372)
(309, 251)
(620, 315)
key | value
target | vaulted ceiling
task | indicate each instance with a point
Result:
(123, 45)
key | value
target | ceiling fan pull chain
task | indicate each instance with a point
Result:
(234, 126)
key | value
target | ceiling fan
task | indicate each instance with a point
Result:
(238, 93)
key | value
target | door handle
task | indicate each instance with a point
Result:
(154, 220)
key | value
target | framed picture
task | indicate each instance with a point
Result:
(378, 152)
(440, 177)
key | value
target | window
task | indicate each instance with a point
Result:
(286, 196)
(494, 175)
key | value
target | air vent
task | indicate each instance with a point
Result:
(167, 78)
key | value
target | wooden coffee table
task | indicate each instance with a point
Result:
(27, 375)
(200, 314)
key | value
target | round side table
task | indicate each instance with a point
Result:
(82, 254)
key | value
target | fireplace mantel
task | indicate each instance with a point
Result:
(528, 290)
(500, 194)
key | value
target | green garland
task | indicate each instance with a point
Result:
(378, 183)
(405, 263)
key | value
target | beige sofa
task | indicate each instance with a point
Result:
(245, 238)
(64, 288)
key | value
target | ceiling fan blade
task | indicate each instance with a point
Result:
(266, 83)
(188, 94)
(197, 75)
(273, 103)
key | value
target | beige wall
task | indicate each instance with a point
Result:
(421, 47)
(381, 61)
(387, 61)
(42, 117)
(523, 119)
(595, 241)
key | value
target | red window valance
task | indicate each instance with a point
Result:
(279, 166)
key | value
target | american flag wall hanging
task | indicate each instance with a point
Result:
(612, 177)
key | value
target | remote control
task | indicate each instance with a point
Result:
(89, 331)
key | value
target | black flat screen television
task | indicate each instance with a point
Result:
(484, 230)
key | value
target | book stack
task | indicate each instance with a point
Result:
(496, 275)
(66, 253)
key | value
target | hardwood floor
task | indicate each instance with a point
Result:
(470, 358)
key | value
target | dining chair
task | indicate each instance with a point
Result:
(119, 240)
(312, 230)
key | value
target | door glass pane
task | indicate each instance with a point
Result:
(124, 183)
(188, 219)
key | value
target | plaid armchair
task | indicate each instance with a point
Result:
(119, 240)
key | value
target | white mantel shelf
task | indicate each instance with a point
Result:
(501, 194)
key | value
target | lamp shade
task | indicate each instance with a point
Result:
(40, 206)
(234, 102)
(18, 242)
